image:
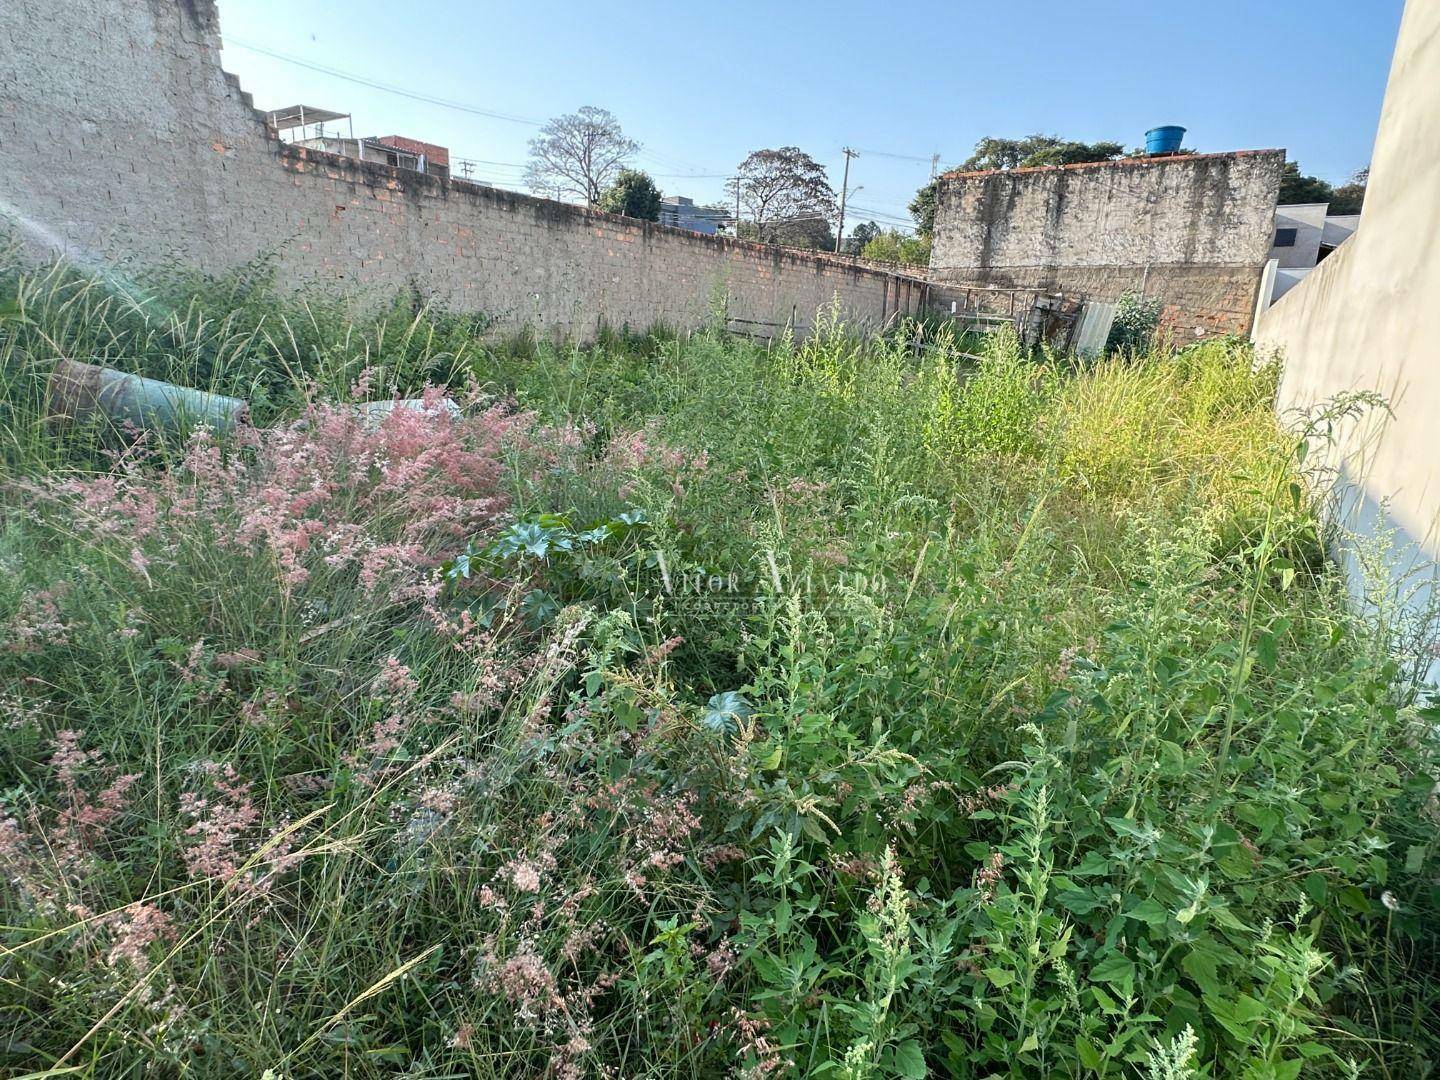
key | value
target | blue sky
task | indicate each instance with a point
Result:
(702, 85)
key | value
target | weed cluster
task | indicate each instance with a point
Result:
(682, 706)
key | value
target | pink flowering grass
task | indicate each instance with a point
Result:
(330, 494)
(322, 744)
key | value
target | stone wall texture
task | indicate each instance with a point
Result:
(1192, 230)
(122, 141)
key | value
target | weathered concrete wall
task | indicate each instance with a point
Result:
(1364, 318)
(122, 140)
(1193, 230)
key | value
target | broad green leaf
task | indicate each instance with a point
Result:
(1115, 968)
(910, 1060)
(724, 712)
(1150, 912)
(1086, 1051)
(1001, 977)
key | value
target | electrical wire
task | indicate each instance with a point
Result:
(672, 162)
(459, 106)
(880, 216)
(897, 157)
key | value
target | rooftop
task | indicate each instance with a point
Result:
(293, 116)
(440, 155)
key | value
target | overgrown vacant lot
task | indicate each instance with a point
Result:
(687, 707)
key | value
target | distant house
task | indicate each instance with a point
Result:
(682, 213)
(433, 159)
(394, 150)
(1305, 233)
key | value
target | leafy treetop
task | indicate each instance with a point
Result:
(633, 194)
(779, 186)
(808, 233)
(1033, 150)
(894, 246)
(861, 235)
(1345, 199)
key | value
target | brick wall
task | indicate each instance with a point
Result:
(1197, 301)
(164, 159)
(1192, 230)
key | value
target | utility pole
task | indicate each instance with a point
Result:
(934, 165)
(844, 190)
(737, 207)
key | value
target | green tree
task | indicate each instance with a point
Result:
(895, 247)
(1072, 153)
(783, 189)
(633, 194)
(993, 152)
(1295, 188)
(996, 153)
(1349, 198)
(1140, 151)
(859, 236)
(922, 207)
(811, 233)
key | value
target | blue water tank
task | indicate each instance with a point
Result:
(1164, 140)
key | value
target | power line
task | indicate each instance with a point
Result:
(673, 162)
(459, 106)
(659, 176)
(883, 218)
(898, 157)
(879, 212)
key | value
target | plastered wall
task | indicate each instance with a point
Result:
(1363, 321)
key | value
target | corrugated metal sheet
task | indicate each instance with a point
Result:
(1094, 329)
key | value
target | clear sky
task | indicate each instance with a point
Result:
(701, 85)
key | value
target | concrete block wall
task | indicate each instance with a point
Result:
(1193, 230)
(122, 141)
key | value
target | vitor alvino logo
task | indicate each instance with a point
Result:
(770, 575)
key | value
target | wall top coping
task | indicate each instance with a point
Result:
(1119, 163)
(397, 179)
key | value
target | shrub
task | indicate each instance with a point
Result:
(893, 246)
(1137, 317)
(633, 194)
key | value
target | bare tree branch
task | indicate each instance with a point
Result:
(579, 154)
